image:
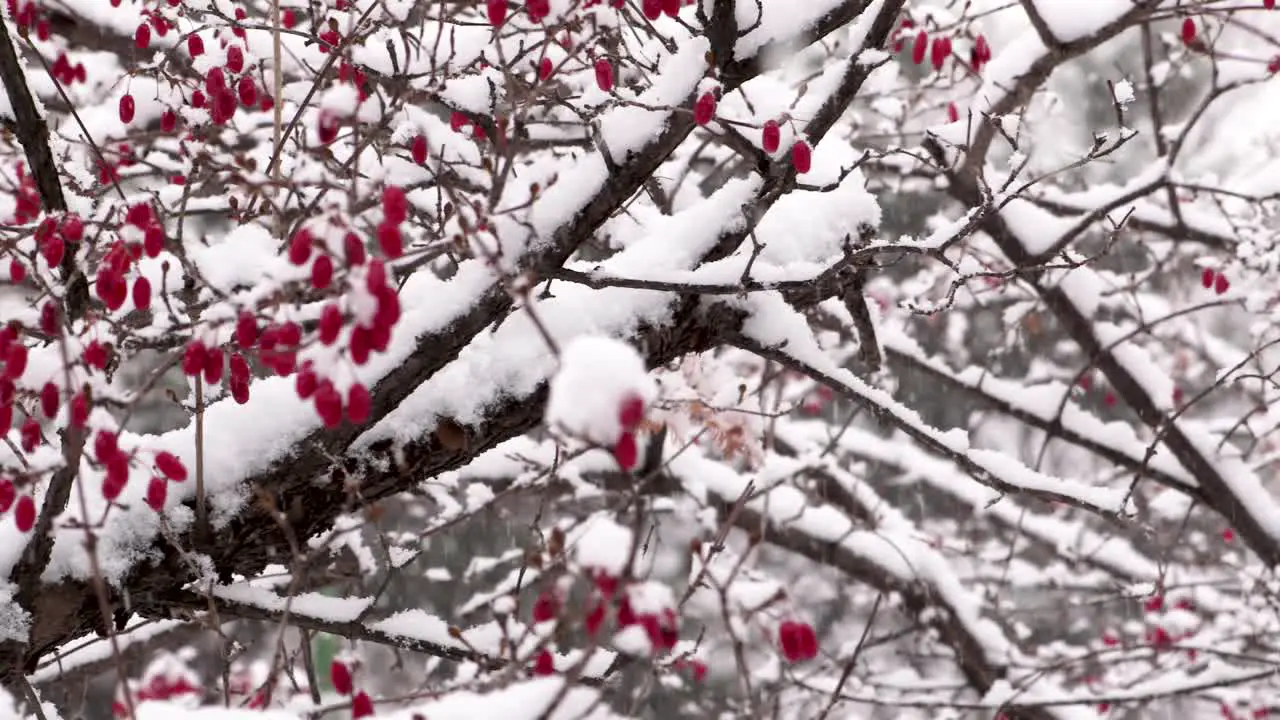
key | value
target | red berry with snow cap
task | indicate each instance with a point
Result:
(631, 412)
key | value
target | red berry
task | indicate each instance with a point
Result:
(17, 273)
(327, 127)
(497, 11)
(1188, 31)
(801, 157)
(72, 228)
(981, 54)
(389, 240)
(193, 359)
(604, 74)
(79, 410)
(652, 9)
(353, 249)
(168, 120)
(139, 215)
(53, 250)
(953, 115)
(49, 318)
(215, 81)
(395, 206)
(157, 491)
(705, 109)
(1206, 277)
(359, 404)
(170, 466)
(361, 706)
(8, 493)
(546, 607)
(235, 59)
(329, 404)
(142, 293)
(798, 640)
(30, 435)
(49, 400)
(631, 412)
(224, 106)
(1221, 284)
(300, 247)
(340, 677)
(330, 324)
(418, 149)
(247, 91)
(195, 45)
(940, 51)
(321, 272)
(95, 355)
(246, 330)
(377, 277)
(1228, 535)
(626, 452)
(142, 36)
(239, 368)
(290, 334)
(126, 108)
(544, 664)
(116, 477)
(305, 383)
(388, 312)
(919, 47)
(288, 18)
(153, 240)
(24, 516)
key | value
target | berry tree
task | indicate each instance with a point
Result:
(639, 358)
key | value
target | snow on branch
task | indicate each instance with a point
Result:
(776, 331)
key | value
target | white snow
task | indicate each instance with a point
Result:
(596, 375)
